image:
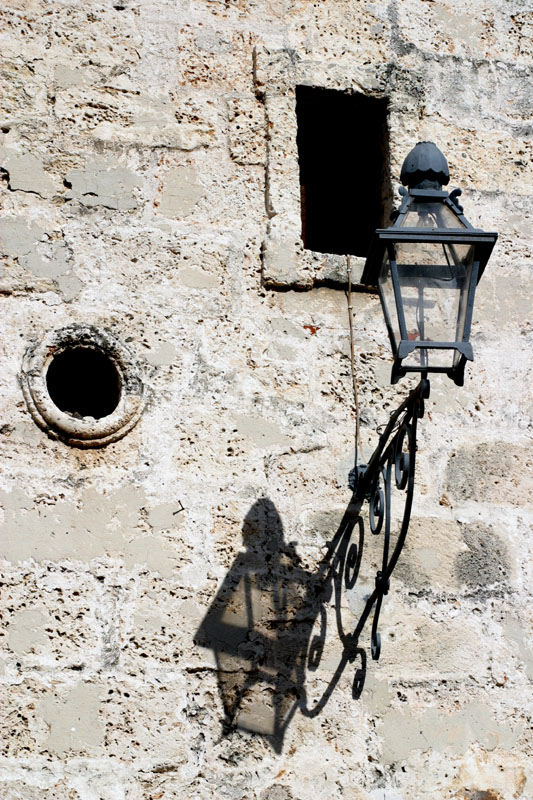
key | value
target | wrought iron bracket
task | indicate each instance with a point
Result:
(391, 467)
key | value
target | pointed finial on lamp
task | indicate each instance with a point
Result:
(425, 167)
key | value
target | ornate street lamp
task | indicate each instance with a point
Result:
(426, 266)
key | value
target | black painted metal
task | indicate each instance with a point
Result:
(391, 467)
(425, 164)
(425, 170)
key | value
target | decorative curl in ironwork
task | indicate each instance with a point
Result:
(395, 456)
(390, 469)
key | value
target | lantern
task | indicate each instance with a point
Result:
(427, 266)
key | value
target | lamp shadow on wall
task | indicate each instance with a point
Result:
(268, 622)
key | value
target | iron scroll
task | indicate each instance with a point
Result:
(391, 467)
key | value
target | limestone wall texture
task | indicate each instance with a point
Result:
(171, 612)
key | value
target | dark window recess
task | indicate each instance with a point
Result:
(344, 169)
(83, 382)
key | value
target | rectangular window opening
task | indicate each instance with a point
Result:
(343, 151)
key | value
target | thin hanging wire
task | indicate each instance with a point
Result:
(358, 444)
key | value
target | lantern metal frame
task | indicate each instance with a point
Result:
(383, 243)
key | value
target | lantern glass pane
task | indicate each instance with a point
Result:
(387, 298)
(434, 280)
(431, 215)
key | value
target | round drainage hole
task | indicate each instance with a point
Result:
(84, 382)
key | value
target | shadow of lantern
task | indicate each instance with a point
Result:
(259, 626)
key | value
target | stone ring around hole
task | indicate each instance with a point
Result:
(115, 416)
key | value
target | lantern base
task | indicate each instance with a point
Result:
(455, 372)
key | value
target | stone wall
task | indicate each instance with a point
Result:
(175, 624)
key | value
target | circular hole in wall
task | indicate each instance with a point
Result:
(83, 382)
(83, 386)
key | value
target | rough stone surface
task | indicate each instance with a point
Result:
(176, 622)
(101, 182)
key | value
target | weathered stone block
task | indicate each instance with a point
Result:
(52, 622)
(45, 255)
(247, 134)
(490, 472)
(180, 191)
(73, 720)
(453, 733)
(102, 182)
(26, 173)
(449, 557)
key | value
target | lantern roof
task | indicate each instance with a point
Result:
(425, 167)
(427, 212)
